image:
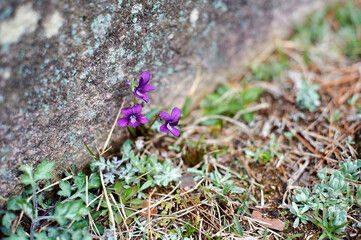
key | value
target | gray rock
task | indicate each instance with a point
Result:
(63, 65)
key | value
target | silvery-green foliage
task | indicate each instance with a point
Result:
(307, 96)
(332, 195)
(167, 174)
(300, 214)
(199, 174)
(128, 173)
(157, 174)
(110, 167)
(219, 182)
(108, 234)
(176, 234)
(337, 214)
(349, 169)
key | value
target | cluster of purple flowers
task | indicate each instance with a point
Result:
(133, 118)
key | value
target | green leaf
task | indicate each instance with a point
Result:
(91, 197)
(136, 201)
(41, 236)
(152, 113)
(131, 131)
(186, 107)
(7, 222)
(353, 100)
(118, 218)
(250, 95)
(27, 177)
(26, 207)
(79, 225)
(52, 232)
(296, 235)
(43, 171)
(248, 117)
(65, 188)
(128, 212)
(129, 192)
(95, 214)
(12, 203)
(100, 228)
(98, 164)
(118, 187)
(80, 180)
(89, 150)
(238, 225)
(72, 210)
(19, 235)
(80, 234)
(94, 181)
(212, 122)
(146, 185)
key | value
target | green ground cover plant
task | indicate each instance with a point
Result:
(331, 199)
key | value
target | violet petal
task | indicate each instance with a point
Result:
(175, 115)
(165, 116)
(147, 88)
(127, 111)
(141, 95)
(144, 79)
(164, 128)
(122, 122)
(133, 125)
(145, 97)
(142, 119)
(173, 129)
(136, 109)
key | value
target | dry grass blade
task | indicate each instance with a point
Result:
(111, 214)
(148, 214)
(112, 129)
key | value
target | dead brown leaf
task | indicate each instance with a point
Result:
(145, 206)
(275, 224)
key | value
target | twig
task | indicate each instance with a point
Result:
(165, 198)
(251, 109)
(111, 214)
(196, 81)
(112, 129)
(150, 225)
(245, 164)
(203, 211)
(284, 173)
(120, 212)
(101, 195)
(309, 146)
(242, 126)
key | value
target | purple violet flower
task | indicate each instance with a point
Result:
(132, 117)
(170, 121)
(143, 87)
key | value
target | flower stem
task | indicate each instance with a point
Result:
(34, 221)
(150, 125)
(155, 118)
(134, 100)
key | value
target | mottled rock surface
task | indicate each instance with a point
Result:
(63, 64)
